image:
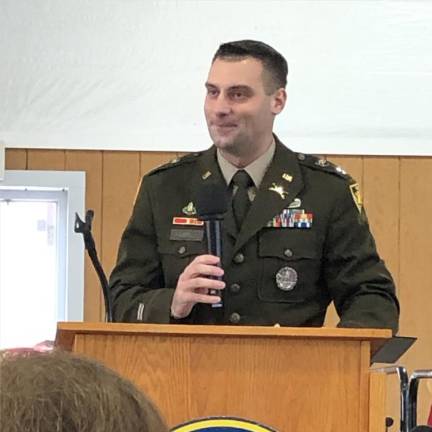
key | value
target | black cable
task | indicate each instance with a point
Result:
(84, 228)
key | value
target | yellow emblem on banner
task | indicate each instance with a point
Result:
(355, 192)
(226, 424)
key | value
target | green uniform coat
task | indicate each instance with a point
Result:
(336, 259)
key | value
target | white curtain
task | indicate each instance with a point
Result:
(123, 74)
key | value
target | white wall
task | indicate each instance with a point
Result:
(123, 74)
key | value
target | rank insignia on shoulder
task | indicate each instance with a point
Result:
(340, 170)
(180, 220)
(291, 218)
(355, 192)
(321, 162)
(190, 209)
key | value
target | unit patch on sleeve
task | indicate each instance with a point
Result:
(355, 192)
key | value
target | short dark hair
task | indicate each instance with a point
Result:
(273, 62)
(59, 391)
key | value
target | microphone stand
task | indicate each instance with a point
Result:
(84, 228)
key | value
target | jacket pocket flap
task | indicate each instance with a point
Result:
(288, 244)
(181, 248)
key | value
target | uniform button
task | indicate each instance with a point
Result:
(321, 162)
(181, 250)
(288, 253)
(235, 288)
(234, 318)
(301, 157)
(239, 258)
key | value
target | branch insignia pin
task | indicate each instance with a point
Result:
(279, 190)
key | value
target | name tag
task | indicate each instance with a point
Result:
(187, 235)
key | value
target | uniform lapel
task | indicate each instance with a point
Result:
(284, 172)
(209, 171)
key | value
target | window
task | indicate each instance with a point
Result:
(41, 258)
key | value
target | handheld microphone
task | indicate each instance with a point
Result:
(211, 205)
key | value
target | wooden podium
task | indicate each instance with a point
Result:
(290, 379)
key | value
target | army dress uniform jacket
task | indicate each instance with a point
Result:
(273, 275)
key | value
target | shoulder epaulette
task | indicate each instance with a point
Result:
(178, 161)
(322, 164)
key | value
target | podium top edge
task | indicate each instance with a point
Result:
(355, 334)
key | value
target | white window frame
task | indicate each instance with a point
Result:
(2, 160)
(72, 305)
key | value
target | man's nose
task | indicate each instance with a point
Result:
(222, 105)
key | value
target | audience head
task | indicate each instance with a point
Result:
(62, 392)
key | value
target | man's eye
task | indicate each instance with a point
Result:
(212, 92)
(238, 95)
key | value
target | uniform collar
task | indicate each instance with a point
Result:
(256, 169)
(283, 174)
(281, 184)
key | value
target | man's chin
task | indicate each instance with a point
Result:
(224, 142)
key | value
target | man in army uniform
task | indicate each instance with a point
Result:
(302, 241)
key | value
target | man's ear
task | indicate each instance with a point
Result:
(278, 101)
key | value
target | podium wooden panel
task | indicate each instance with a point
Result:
(291, 379)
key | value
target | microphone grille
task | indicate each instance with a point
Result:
(211, 201)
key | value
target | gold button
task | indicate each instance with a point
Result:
(288, 253)
(181, 250)
(234, 318)
(301, 157)
(239, 258)
(235, 288)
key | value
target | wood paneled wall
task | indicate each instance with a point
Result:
(397, 194)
